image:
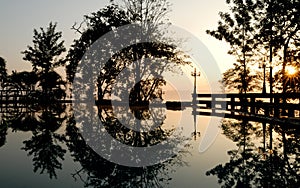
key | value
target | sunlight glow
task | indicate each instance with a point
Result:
(290, 70)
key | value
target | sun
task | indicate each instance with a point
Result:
(290, 70)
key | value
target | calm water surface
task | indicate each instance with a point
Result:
(45, 148)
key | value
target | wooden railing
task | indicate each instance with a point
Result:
(12, 96)
(257, 106)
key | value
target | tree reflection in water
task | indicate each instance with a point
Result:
(150, 120)
(99, 172)
(45, 143)
(46, 146)
(255, 163)
(3, 132)
(252, 165)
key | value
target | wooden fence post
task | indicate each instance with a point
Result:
(213, 104)
(252, 107)
(276, 106)
(232, 105)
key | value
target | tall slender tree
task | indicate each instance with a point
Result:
(237, 29)
(3, 71)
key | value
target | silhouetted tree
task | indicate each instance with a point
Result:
(144, 73)
(53, 86)
(257, 29)
(24, 79)
(237, 79)
(148, 21)
(91, 29)
(278, 28)
(149, 15)
(47, 48)
(3, 71)
(237, 29)
(45, 56)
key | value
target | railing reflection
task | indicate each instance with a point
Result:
(267, 154)
(256, 163)
(44, 145)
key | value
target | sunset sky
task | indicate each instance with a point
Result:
(19, 18)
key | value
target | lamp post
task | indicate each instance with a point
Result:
(195, 74)
(271, 101)
(264, 81)
(271, 83)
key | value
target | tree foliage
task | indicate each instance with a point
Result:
(147, 16)
(24, 79)
(45, 54)
(258, 30)
(91, 29)
(101, 172)
(237, 29)
(238, 79)
(254, 163)
(278, 25)
(3, 71)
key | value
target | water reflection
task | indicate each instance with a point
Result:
(44, 145)
(254, 165)
(99, 172)
(3, 132)
(265, 155)
(129, 130)
(54, 133)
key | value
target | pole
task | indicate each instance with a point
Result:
(195, 74)
(264, 83)
(271, 84)
(194, 105)
(195, 80)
